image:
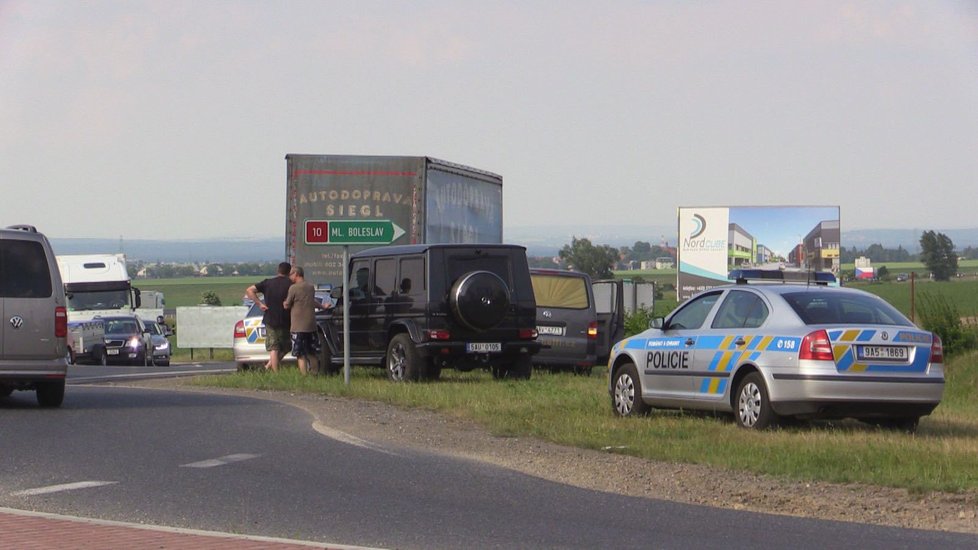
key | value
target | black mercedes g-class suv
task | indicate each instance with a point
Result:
(416, 309)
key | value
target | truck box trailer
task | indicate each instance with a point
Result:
(427, 200)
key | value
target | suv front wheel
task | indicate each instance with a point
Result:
(404, 363)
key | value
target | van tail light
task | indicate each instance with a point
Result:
(60, 322)
(816, 346)
(936, 350)
(592, 330)
(528, 334)
(239, 331)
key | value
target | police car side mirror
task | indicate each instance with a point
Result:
(656, 323)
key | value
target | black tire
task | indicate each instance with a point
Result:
(582, 371)
(164, 362)
(479, 300)
(906, 424)
(499, 371)
(433, 371)
(752, 408)
(626, 394)
(403, 361)
(521, 369)
(326, 358)
(101, 357)
(51, 394)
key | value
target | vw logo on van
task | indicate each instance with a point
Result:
(16, 321)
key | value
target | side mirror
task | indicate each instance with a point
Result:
(657, 323)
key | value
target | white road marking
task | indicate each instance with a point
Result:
(344, 437)
(220, 461)
(142, 375)
(62, 487)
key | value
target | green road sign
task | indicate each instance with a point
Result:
(339, 232)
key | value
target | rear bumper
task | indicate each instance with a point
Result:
(828, 393)
(23, 372)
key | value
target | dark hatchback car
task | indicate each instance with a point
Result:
(127, 340)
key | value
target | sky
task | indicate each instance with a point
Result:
(171, 119)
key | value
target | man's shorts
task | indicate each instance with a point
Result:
(277, 339)
(305, 343)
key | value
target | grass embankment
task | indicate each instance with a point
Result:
(576, 411)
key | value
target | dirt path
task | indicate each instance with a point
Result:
(383, 424)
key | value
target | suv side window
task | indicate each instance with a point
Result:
(385, 278)
(359, 282)
(24, 270)
(412, 277)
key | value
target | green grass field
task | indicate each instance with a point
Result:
(187, 291)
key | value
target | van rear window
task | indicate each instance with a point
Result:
(24, 270)
(559, 292)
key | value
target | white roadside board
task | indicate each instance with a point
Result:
(208, 326)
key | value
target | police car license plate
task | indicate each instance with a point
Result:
(483, 347)
(884, 353)
(112, 352)
(550, 331)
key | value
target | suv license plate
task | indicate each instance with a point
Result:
(483, 347)
(550, 331)
(884, 353)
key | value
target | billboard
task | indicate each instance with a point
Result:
(715, 240)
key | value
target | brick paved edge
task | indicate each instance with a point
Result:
(95, 523)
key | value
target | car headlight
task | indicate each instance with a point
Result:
(163, 346)
(134, 342)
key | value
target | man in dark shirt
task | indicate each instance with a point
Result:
(278, 339)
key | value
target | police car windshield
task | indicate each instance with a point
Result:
(827, 308)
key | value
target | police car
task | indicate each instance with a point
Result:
(782, 349)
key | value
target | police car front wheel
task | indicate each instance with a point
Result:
(626, 399)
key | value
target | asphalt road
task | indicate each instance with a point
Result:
(237, 464)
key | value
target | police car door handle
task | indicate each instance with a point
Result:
(740, 341)
(690, 342)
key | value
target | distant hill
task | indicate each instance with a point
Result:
(183, 251)
(539, 241)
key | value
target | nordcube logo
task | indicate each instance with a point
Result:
(699, 226)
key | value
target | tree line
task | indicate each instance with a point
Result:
(937, 253)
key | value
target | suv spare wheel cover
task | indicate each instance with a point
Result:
(479, 299)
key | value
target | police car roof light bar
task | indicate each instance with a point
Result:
(742, 276)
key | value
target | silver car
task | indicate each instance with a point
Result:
(158, 335)
(33, 349)
(770, 351)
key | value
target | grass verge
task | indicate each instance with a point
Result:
(576, 411)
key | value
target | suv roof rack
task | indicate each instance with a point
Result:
(742, 276)
(23, 227)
